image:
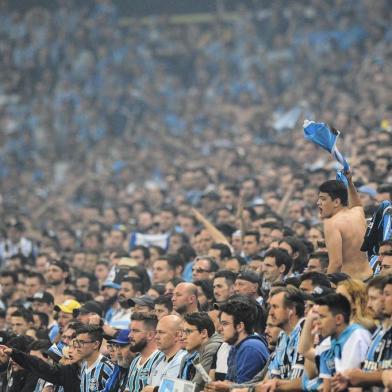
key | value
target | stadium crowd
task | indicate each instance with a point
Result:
(161, 208)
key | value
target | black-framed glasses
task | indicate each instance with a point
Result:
(187, 332)
(76, 343)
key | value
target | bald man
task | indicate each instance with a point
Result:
(168, 335)
(185, 298)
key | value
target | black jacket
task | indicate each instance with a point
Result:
(20, 381)
(67, 376)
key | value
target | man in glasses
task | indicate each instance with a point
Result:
(204, 268)
(96, 368)
(201, 342)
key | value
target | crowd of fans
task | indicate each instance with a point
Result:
(161, 208)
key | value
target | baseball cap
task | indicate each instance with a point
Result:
(89, 307)
(43, 296)
(249, 276)
(121, 338)
(68, 306)
(144, 300)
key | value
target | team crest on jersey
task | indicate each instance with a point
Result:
(93, 385)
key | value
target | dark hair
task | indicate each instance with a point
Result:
(213, 264)
(24, 313)
(37, 275)
(95, 332)
(225, 251)
(144, 249)
(186, 252)
(229, 276)
(298, 246)
(377, 282)
(166, 301)
(135, 282)
(387, 281)
(44, 318)
(143, 275)
(149, 320)
(336, 190)
(317, 278)
(207, 288)
(337, 304)
(41, 345)
(253, 233)
(159, 288)
(293, 298)
(281, 258)
(242, 312)
(176, 280)
(9, 274)
(322, 257)
(21, 343)
(201, 321)
(159, 249)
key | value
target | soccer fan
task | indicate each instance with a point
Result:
(344, 228)
(142, 339)
(223, 284)
(276, 265)
(168, 339)
(318, 262)
(201, 342)
(185, 298)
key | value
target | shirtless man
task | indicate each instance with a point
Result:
(344, 228)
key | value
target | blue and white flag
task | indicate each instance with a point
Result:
(326, 137)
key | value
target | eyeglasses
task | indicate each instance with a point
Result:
(80, 343)
(199, 270)
(187, 332)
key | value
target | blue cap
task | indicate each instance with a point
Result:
(121, 338)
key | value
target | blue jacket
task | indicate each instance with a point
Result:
(246, 359)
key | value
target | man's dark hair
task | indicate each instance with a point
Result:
(336, 190)
(281, 258)
(317, 278)
(143, 275)
(385, 242)
(225, 251)
(165, 301)
(229, 276)
(9, 274)
(135, 282)
(37, 275)
(201, 320)
(271, 225)
(293, 298)
(44, 318)
(94, 332)
(337, 304)
(213, 264)
(387, 281)
(24, 313)
(322, 257)
(242, 312)
(206, 286)
(253, 233)
(377, 282)
(149, 320)
(41, 345)
(21, 343)
(298, 246)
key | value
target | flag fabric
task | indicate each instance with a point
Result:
(326, 137)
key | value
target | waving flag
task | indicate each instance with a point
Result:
(326, 137)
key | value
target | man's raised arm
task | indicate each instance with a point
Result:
(353, 197)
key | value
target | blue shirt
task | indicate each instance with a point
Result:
(93, 379)
(246, 359)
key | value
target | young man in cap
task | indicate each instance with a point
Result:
(143, 304)
(117, 381)
(65, 312)
(44, 302)
(86, 311)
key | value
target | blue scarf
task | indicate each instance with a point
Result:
(337, 344)
(188, 364)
